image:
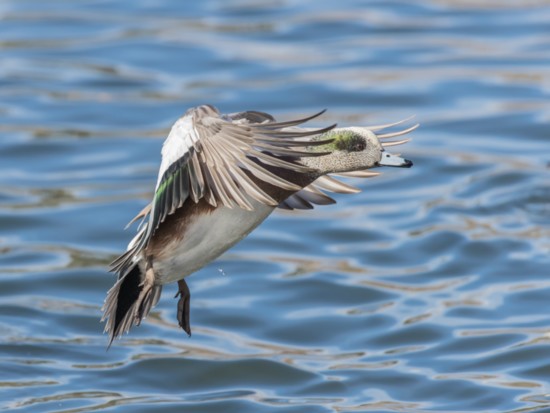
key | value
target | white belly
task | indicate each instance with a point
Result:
(206, 239)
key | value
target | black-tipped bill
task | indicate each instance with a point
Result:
(393, 160)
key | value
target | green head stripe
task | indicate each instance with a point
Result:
(344, 140)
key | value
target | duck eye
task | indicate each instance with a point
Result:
(359, 146)
(351, 143)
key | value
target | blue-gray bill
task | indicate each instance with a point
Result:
(393, 160)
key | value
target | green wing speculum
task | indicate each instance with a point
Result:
(176, 185)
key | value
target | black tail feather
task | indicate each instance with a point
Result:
(127, 294)
(126, 303)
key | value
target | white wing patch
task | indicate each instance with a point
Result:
(180, 140)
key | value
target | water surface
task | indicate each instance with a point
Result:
(428, 291)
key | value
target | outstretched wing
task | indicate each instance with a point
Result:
(220, 159)
(314, 194)
(213, 154)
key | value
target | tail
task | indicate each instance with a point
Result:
(129, 301)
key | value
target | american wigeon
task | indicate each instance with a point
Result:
(219, 178)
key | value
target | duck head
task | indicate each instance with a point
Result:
(359, 148)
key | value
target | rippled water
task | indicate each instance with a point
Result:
(428, 291)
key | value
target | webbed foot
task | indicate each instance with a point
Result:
(183, 306)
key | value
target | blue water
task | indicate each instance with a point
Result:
(427, 292)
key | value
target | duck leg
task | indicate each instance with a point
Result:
(183, 306)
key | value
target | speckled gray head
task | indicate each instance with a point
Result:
(363, 149)
(363, 139)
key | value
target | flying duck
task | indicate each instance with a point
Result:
(219, 178)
